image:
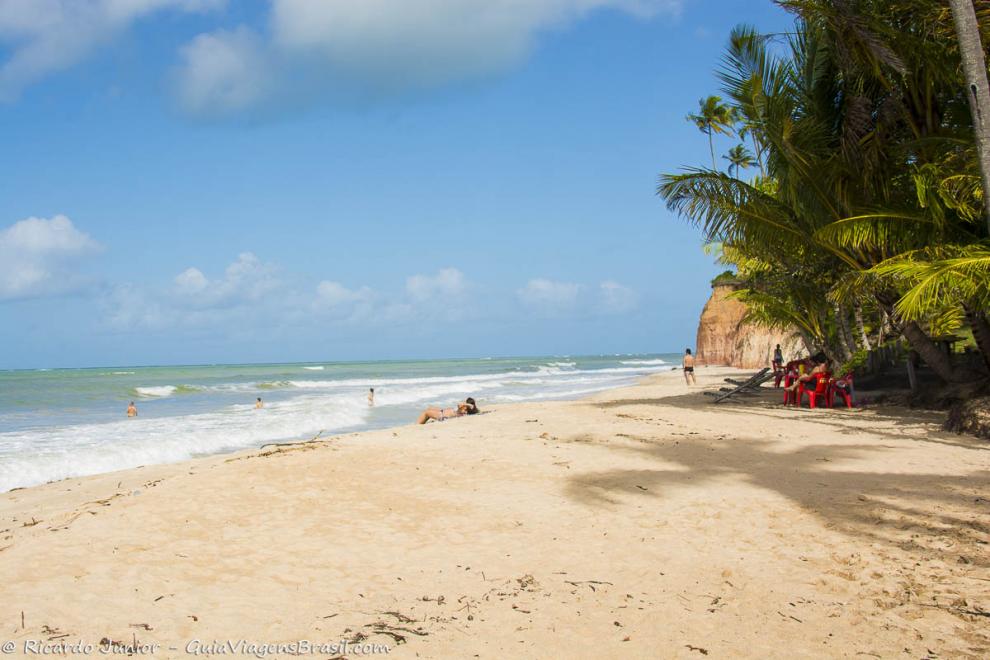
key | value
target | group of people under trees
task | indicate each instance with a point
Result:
(815, 367)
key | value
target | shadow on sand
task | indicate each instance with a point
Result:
(937, 515)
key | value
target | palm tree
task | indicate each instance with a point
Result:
(743, 69)
(949, 284)
(977, 88)
(739, 156)
(713, 117)
(850, 121)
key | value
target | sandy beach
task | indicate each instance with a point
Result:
(640, 522)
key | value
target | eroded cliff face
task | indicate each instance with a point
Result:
(724, 339)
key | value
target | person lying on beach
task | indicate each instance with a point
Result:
(469, 407)
(132, 410)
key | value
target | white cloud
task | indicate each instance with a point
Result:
(333, 294)
(338, 302)
(376, 46)
(447, 284)
(551, 297)
(223, 72)
(45, 36)
(250, 293)
(36, 255)
(249, 296)
(191, 281)
(247, 293)
(129, 307)
(247, 279)
(616, 298)
(548, 295)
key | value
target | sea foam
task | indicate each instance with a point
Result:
(217, 413)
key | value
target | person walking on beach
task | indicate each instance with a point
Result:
(688, 366)
(132, 410)
(371, 396)
(258, 404)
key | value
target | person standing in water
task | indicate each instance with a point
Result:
(371, 396)
(258, 404)
(132, 410)
(688, 366)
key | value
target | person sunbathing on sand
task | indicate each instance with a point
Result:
(469, 407)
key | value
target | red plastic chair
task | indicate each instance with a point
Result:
(790, 397)
(818, 392)
(844, 393)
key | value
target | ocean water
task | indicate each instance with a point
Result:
(63, 423)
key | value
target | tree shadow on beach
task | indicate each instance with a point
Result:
(893, 509)
(925, 425)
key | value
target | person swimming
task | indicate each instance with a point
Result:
(132, 410)
(258, 404)
(371, 396)
(469, 407)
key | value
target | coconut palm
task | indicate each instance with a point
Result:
(739, 157)
(743, 69)
(941, 277)
(853, 119)
(713, 116)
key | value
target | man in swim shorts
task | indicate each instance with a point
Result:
(688, 366)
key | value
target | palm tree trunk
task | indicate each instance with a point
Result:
(884, 331)
(846, 345)
(711, 147)
(981, 331)
(809, 343)
(864, 339)
(759, 154)
(977, 87)
(933, 355)
(847, 331)
(923, 345)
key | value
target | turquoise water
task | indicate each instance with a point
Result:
(70, 422)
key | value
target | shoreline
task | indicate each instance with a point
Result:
(319, 438)
(637, 519)
(196, 412)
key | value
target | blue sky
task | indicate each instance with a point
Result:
(204, 181)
